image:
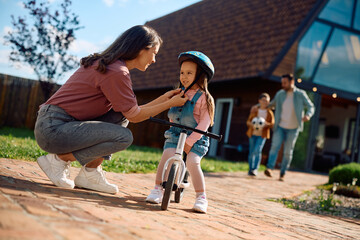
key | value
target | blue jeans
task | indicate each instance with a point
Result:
(288, 136)
(256, 144)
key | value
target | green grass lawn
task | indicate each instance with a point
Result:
(16, 143)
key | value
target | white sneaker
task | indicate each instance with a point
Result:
(95, 180)
(155, 195)
(56, 170)
(201, 204)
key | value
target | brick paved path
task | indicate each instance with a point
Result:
(32, 208)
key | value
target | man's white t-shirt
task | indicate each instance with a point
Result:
(288, 117)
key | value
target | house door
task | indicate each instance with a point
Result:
(223, 113)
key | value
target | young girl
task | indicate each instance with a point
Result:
(257, 138)
(198, 113)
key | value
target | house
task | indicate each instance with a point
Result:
(252, 43)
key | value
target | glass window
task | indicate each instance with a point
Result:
(338, 11)
(340, 65)
(310, 48)
(357, 16)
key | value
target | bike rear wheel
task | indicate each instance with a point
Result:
(179, 193)
(169, 187)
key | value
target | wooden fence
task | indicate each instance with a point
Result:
(20, 99)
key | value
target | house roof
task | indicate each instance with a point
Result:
(243, 38)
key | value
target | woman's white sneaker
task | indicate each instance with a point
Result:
(201, 204)
(155, 195)
(56, 170)
(95, 180)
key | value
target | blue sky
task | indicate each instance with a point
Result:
(103, 21)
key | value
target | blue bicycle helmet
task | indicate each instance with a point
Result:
(201, 59)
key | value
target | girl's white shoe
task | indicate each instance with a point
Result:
(155, 195)
(201, 204)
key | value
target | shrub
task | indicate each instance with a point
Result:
(348, 191)
(345, 173)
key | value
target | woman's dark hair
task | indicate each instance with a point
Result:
(126, 47)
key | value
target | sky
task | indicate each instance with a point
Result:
(103, 22)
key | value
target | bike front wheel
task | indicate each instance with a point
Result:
(169, 186)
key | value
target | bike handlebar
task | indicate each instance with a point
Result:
(209, 134)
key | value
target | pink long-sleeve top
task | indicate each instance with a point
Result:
(201, 115)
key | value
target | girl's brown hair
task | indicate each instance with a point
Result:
(126, 47)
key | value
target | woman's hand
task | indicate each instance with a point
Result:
(187, 148)
(159, 105)
(178, 100)
(168, 95)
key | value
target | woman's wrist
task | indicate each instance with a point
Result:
(164, 97)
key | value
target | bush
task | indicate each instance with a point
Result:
(345, 173)
(348, 191)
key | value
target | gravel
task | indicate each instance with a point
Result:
(341, 206)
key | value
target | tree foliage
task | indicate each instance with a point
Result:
(43, 41)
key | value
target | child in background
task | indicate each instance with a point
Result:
(198, 112)
(257, 137)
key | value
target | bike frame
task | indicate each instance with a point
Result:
(177, 159)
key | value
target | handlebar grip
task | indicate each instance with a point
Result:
(215, 136)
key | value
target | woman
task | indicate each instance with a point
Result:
(86, 119)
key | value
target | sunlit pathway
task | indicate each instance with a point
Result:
(32, 208)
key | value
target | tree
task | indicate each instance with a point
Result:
(44, 42)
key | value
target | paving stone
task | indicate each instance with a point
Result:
(19, 225)
(31, 207)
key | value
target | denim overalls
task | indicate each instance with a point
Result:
(185, 115)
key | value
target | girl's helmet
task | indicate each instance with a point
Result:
(201, 59)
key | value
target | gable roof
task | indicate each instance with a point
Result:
(243, 38)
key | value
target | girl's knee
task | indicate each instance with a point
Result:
(193, 161)
(192, 164)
